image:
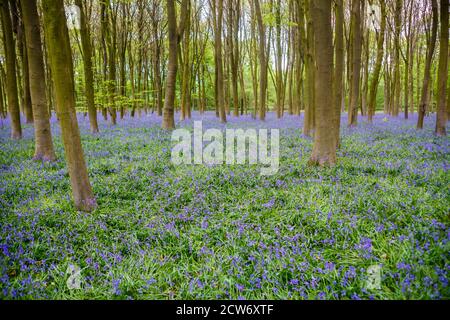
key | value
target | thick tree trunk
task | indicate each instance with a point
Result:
(11, 79)
(87, 64)
(43, 136)
(441, 119)
(324, 149)
(60, 56)
(427, 73)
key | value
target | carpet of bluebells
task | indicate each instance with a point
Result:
(226, 232)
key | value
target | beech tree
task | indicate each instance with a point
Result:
(441, 119)
(42, 131)
(60, 58)
(324, 149)
(176, 31)
(356, 45)
(11, 79)
(429, 58)
(87, 64)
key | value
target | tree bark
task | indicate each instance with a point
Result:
(441, 119)
(11, 79)
(339, 67)
(175, 34)
(42, 132)
(324, 149)
(427, 73)
(379, 61)
(356, 63)
(60, 56)
(87, 64)
(262, 62)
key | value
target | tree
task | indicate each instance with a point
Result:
(262, 62)
(427, 73)
(42, 131)
(175, 34)
(18, 28)
(217, 7)
(441, 119)
(309, 122)
(379, 60)
(356, 62)
(87, 64)
(324, 149)
(339, 67)
(397, 31)
(60, 59)
(11, 79)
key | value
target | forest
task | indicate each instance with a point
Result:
(93, 91)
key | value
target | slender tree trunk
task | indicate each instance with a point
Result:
(324, 149)
(262, 62)
(379, 61)
(441, 119)
(21, 44)
(339, 67)
(175, 34)
(57, 37)
(87, 64)
(42, 132)
(309, 122)
(356, 63)
(397, 84)
(427, 74)
(11, 79)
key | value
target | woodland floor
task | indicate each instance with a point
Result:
(198, 232)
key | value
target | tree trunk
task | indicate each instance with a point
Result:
(57, 37)
(356, 63)
(87, 64)
(262, 62)
(441, 119)
(379, 61)
(324, 149)
(21, 45)
(427, 73)
(42, 132)
(309, 122)
(339, 67)
(397, 31)
(11, 79)
(175, 34)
